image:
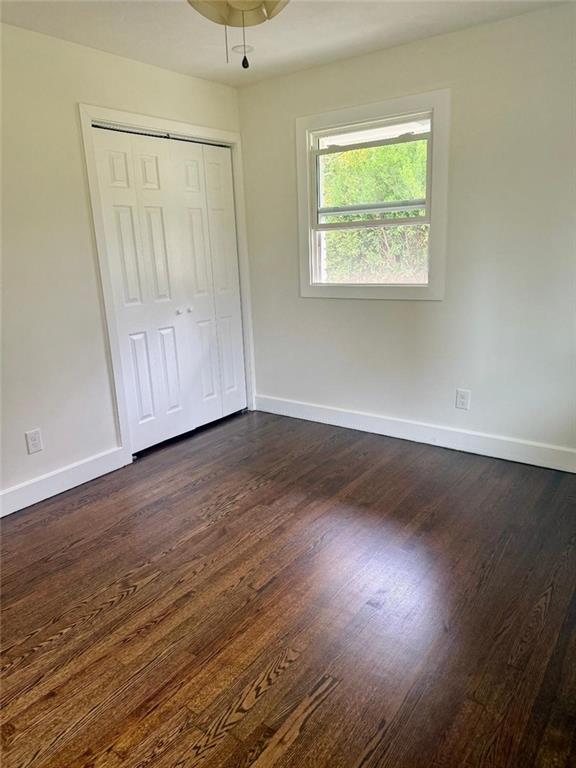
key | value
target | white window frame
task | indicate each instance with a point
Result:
(308, 129)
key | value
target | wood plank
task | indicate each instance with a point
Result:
(277, 592)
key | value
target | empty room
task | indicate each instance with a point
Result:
(288, 384)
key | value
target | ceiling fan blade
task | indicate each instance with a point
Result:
(218, 12)
(273, 7)
(223, 13)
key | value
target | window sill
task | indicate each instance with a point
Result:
(383, 292)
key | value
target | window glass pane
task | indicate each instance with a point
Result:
(343, 218)
(379, 255)
(386, 174)
(386, 131)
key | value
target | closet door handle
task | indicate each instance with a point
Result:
(178, 311)
(189, 309)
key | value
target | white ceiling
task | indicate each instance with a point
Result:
(170, 34)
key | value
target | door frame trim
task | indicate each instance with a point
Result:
(90, 113)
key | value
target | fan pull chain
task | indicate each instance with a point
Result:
(245, 62)
(226, 43)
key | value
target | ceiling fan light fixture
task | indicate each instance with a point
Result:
(239, 13)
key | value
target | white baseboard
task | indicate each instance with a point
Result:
(500, 447)
(497, 446)
(40, 488)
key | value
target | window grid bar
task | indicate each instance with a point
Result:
(335, 149)
(321, 284)
(368, 125)
(371, 224)
(401, 205)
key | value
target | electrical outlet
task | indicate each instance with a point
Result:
(463, 397)
(34, 441)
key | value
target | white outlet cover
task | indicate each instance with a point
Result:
(463, 398)
(34, 441)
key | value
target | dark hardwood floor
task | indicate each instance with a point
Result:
(273, 592)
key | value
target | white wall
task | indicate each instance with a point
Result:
(506, 327)
(55, 369)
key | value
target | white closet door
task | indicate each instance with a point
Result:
(147, 275)
(223, 247)
(168, 211)
(190, 192)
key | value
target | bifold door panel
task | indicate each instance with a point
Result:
(190, 189)
(169, 220)
(222, 226)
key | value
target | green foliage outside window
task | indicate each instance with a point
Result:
(390, 173)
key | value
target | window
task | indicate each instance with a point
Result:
(372, 196)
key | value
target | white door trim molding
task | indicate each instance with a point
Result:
(135, 122)
(43, 487)
(496, 446)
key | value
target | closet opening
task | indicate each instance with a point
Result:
(165, 213)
